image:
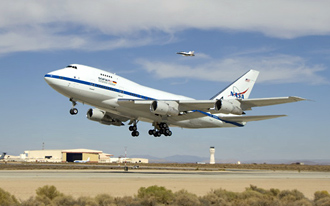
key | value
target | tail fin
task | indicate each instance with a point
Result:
(239, 89)
(88, 159)
(3, 156)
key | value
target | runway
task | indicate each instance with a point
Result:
(23, 183)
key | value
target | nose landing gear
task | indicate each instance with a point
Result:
(73, 111)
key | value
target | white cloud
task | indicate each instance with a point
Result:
(275, 69)
(80, 23)
(40, 38)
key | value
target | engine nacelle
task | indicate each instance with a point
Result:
(165, 108)
(102, 117)
(228, 107)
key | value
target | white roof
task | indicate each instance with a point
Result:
(106, 154)
(81, 151)
(53, 150)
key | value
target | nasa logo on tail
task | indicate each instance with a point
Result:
(236, 93)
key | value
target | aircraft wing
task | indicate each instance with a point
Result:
(184, 105)
(231, 118)
(188, 105)
(198, 108)
(116, 116)
(135, 103)
(208, 105)
(188, 115)
(247, 104)
(244, 118)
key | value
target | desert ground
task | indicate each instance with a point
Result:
(118, 183)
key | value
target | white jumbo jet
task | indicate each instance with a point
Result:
(117, 100)
(190, 53)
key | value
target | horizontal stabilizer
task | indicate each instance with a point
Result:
(249, 118)
(247, 104)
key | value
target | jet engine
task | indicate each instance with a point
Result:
(165, 108)
(228, 107)
(102, 117)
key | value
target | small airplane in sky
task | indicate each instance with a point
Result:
(82, 161)
(118, 100)
(190, 53)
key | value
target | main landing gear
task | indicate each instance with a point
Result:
(133, 129)
(161, 128)
(73, 110)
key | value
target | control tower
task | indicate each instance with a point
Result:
(212, 151)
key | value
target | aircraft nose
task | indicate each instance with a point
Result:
(51, 77)
(48, 78)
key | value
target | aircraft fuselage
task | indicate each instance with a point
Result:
(102, 89)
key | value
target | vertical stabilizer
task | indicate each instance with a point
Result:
(3, 156)
(239, 89)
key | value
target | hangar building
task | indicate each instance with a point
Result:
(64, 155)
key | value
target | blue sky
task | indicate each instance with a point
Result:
(288, 42)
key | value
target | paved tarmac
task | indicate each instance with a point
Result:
(23, 183)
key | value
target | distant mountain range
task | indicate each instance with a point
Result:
(195, 159)
(174, 159)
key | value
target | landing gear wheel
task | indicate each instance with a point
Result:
(163, 125)
(135, 133)
(170, 133)
(132, 128)
(157, 134)
(151, 132)
(167, 132)
(159, 129)
(73, 111)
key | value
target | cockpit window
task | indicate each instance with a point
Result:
(70, 66)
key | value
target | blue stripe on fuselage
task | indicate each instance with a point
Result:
(99, 86)
(217, 118)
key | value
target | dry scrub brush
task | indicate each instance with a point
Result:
(157, 196)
